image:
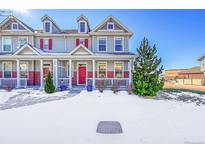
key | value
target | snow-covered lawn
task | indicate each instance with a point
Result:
(75, 119)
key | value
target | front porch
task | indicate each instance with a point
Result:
(23, 73)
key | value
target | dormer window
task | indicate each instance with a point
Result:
(14, 26)
(47, 27)
(82, 27)
(110, 26)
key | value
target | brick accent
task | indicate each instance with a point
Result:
(37, 78)
(110, 74)
(0, 74)
(126, 74)
(14, 74)
(90, 74)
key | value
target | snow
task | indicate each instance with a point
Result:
(4, 95)
(75, 119)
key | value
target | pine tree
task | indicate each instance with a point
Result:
(49, 87)
(147, 70)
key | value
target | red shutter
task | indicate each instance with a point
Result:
(86, 43)
(50, 44)
(77, 41)
(41, 43)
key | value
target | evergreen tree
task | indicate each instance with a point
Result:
(49, 87)
(147, 70)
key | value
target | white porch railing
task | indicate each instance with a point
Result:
(63, 81)
(23, 82)
(108, 82)
(11, 82)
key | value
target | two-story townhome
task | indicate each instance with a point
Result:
(74, 57)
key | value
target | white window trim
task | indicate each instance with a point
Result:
(20, 38)
(79, 26)
(110, 23)
(98, 38)
(4, 70)
(123, 64)
(115, 38)
(44, 44)
(83, 40)
(99, 62)
(3, 44)
(14, 23)
(67, 70)
(44, 27)
(27, 65)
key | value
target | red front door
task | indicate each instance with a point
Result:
(82, 74)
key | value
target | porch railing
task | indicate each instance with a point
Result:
(108, 82)
(11, 82)
(63, 81)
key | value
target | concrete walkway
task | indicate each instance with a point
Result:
(24, 99)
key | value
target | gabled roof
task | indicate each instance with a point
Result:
(114, 19)
(33, 49)
(83, 47)
(49, 18)
(84, 18)
(17, 20)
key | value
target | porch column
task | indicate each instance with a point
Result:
(93, 74)
(55, 72)
(70, 73)
(18, 73)
(41, 73)
(130, 71)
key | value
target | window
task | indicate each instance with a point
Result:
(82, 27)
(14, 26)
(110, 26)
(7, 69)
(102, 70)
(118, 44)
(82, 41)
(22, 41)
(47, 27)
(23, 70)
(102, 44)
(6, 44)
(46, 42)
(119, 70)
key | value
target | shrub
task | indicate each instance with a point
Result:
(101, 85)
(49, 87)
(8, 87)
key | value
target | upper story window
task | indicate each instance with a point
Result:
(7, 69)
(46, 44)
(118, 44)
(82, 41)
(14, 26)
(6, 45)
(22, 41)
(47, 27)
(102, 44)
(110, 26)
(82, 27)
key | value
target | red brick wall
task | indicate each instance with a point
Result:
(74, 79)
(14, 74)
(0, 74)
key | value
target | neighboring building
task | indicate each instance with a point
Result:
(74, 57)
(172, 74)
(192, 73)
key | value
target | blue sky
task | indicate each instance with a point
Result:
(178, 34)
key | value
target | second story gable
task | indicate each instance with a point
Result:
(109, 36)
